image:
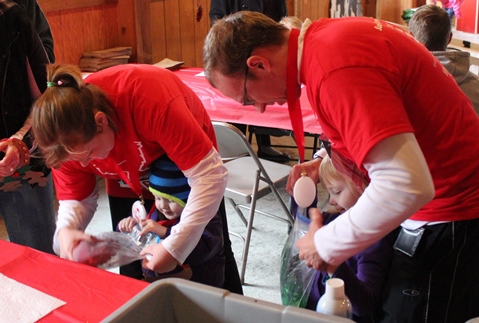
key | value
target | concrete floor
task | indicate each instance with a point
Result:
(267, 241)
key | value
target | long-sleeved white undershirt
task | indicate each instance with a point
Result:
(207, 180)
(400, 185)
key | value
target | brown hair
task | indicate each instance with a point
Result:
(431, 26)
(64, 115)
(231, 40)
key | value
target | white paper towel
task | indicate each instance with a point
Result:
(21, 303)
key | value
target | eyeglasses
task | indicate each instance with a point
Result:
(246, 101)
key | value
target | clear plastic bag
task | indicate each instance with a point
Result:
(296, 279)
(113, 249)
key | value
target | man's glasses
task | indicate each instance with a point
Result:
(246, 101)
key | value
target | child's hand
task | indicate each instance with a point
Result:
(306, 246)
(127, 224)
(152, 226)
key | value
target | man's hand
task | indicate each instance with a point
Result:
(310, 167)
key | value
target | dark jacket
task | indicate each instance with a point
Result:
(207, 260)
(41, 25)
(222, 8)
(19, 42)
(364, 276)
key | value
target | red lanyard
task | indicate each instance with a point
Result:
(294, 105)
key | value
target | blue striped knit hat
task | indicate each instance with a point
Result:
(168, 181)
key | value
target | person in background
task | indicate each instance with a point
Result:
(431, 26)
(452, 7)
(390, 114)
(365, 273)
(114, 124)
(206, 263)
(42, 27)
(275, 9)
(26, 186)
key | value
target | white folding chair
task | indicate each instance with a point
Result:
(249, 179)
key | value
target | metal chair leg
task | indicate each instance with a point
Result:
(249, 228)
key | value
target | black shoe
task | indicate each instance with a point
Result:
(273, 155)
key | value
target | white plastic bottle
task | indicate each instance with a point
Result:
(334, 301)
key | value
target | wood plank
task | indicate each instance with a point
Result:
(187, 16)
(369, 8)
(290, 7)
(312, 9)
(201, 30)
(55, 26)
(72, 36)
(173, 35)
(158, 31)
(392, 10)
(57, 5)
(126, 26)
(143, 31)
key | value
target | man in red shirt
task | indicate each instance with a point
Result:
(369, 84)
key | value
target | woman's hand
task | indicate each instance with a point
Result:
(68, 239)
(9, 163)
(160, 260)
(310, 167)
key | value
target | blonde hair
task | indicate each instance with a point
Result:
(291, 22)
(328, 173)
(64, 115)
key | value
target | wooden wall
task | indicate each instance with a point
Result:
(155, 29)
(392, 10)
(86, 25)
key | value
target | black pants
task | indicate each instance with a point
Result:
(121, 208)
(261, 139)
(440, 283)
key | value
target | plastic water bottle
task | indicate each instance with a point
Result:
(334, 301)
(144, 240)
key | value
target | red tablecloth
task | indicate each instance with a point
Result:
(221, 108)
(91, 294)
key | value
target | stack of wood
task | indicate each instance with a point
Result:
(100, 59)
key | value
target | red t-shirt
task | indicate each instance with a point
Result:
(368, 80)
(157, 114)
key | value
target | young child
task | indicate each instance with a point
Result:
(364, 274)
(170, 187)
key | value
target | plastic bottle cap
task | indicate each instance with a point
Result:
(335, 286)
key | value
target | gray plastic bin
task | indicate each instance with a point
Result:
(178, 300)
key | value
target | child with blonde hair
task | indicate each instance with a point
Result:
(364, 274)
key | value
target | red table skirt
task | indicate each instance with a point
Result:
(221, 108)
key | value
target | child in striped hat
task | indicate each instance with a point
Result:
(170, 187)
